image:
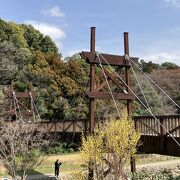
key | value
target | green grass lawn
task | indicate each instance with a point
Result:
(71, 163)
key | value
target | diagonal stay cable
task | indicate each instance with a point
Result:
(141, 102)
(129, 59)
(126, 57)
(137, 80)
(101, 66)
(34, 116)
(34, 106)
(153, 82)
(17, 104)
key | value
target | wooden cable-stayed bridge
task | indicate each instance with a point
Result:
(159, 134)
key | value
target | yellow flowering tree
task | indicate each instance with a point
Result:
(107, 150)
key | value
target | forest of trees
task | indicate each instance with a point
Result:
(28, 55)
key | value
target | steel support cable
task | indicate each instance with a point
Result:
(108, 85)
(139, 86)
(17, 104)
(34, 116)
(153, 81)
(141, 102)
(35, 107)
(141, 90)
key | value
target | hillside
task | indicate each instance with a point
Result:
(28, 55)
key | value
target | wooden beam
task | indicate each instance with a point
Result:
(19, 94)
(116, 60)
(112, 77)
(149, 128)
(107, 95)
(11, 113)
(101, 86)
(23, 106)
(172, 130)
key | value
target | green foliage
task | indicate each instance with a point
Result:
(8, 66)
(61, 148)
(148, 67)
(37, 41)
(20, 87)
(3, 30)
(16, 35)
(61, 109)
(47, 45)
(169, 65)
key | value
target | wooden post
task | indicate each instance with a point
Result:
(162, 132)
(92, 103)
(92, 82)
(128, 82)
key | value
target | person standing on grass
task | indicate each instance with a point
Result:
(57, 165)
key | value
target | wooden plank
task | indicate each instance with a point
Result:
(59, 124)
(23, 106)
(11, 113)
(70, 124)
(172, 130)
(51, 126)
(149, 127)
(105, 95)
(112, 77)
(101, 86)
(19, 94)
(158, 117)
(80, 126)
(116, 60)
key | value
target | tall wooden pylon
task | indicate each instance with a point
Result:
(92, 82)
(95, 89)
(128, 82)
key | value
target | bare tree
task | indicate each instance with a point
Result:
(20, 147)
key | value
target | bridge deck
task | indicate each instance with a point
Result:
(154, 138)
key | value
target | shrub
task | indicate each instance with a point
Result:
(107, 150)
(154, 175)
(60, 148)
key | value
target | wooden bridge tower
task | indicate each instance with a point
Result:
(95, 92)
(20, 104)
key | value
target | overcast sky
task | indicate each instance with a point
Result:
(153, 25)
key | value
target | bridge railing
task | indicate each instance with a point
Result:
(147, 125)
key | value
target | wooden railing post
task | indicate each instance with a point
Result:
(162, 138)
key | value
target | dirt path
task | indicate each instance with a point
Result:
(47, 177)
(161, 164)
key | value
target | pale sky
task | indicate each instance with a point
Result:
(153, 25)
